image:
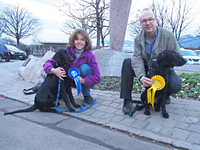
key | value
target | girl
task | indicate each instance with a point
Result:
(79, 47)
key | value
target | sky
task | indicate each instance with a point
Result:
(52, 19)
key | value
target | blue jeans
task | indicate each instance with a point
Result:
(85, 70)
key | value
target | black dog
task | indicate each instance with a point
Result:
(165, 61)
(46, 96)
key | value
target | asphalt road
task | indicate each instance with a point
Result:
(50, 131)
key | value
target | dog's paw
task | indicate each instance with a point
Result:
(157, 109)
(77, 106)
(147, 113)
(165, 115)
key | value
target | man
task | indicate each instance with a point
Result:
(27, 51)
(151, 41)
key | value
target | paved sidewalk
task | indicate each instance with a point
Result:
(181, 130)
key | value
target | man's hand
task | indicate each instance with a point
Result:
(146, 82)
(60, 72)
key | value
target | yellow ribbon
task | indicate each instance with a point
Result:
(159, 84)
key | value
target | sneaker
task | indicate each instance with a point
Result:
(127, 107)
(168, 100)
(88, 99)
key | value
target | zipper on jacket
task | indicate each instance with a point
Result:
(77, 60)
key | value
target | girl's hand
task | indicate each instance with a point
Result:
(60, 72)
(81, 80)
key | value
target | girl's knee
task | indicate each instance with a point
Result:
(85, 70)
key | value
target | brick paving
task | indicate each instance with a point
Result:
(181, 129)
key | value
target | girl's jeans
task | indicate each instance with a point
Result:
(85, 70)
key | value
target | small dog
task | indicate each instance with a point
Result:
(46, 96)
(165, 61)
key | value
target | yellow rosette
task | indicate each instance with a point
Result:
(159, 84)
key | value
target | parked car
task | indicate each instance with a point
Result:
(4, 53)
(190, 56)
(128, 49)
(197, 52)
(16, 53)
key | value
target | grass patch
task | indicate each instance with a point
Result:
(190, 85)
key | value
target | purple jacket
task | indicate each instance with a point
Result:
(87, 57)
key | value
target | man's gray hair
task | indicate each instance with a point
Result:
(147, 9)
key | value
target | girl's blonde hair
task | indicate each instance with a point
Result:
(73, 36)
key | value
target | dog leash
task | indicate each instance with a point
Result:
(139, 102)
(135, 108)
(83, 106)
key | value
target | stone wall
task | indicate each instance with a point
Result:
(33, 72)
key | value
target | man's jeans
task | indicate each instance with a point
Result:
(85, 70)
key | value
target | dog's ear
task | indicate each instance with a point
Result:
(57, 57)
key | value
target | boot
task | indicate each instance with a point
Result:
(88, 99)
(127, 107)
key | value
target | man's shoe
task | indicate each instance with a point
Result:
(168, 100)
(127, 107)
(88, 99)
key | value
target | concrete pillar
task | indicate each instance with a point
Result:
(119, 13)
(0, 37)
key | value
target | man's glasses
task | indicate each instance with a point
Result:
(151, 20)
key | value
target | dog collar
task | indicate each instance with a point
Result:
(152, 62)
(159, 67)
(60, 66)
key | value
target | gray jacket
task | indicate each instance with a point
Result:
(164, 40)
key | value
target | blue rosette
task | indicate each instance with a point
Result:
(74, 73)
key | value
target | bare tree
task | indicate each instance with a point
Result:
(160, 11)
(1, 29)
(105, 30)
(180, 16)
(1, 25)
(174, 15)
(19, 22)
(71, 24)
(134, 26)
(91, 15)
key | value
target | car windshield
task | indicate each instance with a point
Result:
(188, 53)
(12, 48)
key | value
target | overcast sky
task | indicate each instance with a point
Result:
(52, 19)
